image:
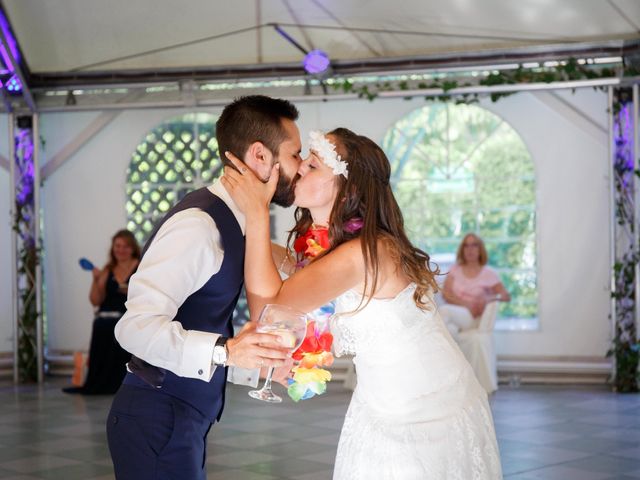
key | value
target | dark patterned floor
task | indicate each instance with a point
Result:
(545, 432)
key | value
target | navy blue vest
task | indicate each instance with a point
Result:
(209, 309)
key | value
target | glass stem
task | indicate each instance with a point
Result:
(267, 381)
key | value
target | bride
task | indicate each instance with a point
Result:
(417, 411)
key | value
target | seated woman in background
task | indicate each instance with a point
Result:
(470, 285)
(107, 359)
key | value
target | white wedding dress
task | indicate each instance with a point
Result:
(417, 411)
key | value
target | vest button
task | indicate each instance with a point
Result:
(200, 372)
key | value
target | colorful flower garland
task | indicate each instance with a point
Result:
(309, 379)
(311, 244)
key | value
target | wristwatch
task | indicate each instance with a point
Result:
(220, 353)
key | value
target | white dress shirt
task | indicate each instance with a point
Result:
(185, 253)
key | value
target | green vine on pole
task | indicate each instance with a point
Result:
(625, 348)
(28, 253)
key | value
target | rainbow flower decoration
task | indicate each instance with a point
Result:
(309, 379)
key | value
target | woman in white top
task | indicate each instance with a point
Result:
(470, 285)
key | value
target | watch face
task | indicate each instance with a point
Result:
(219, 354)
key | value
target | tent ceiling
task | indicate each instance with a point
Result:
(85, 36)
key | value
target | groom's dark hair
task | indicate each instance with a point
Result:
(254, 118)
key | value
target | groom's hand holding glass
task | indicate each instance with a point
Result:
(291, 326)
(251, 349)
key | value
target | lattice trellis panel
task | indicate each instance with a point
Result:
(173, 159)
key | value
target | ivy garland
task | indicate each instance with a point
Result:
(566, 71)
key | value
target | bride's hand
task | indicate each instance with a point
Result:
(248, 192)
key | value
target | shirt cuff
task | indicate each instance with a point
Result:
(243, 376)
(197, 355)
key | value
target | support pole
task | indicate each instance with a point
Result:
(14, 245)
(28, 343)
(636, 185)
(612, 221)
(38, 245)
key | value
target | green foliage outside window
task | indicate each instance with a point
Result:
(459, 169)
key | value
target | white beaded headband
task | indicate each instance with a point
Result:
(327, 152)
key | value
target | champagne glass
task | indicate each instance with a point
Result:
(291, 325)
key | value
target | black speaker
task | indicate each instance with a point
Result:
(24, 121)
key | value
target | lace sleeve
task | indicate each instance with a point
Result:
(344, 341)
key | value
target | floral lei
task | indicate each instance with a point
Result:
(309, 379)
(311, 244)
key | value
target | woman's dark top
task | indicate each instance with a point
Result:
(116, 296)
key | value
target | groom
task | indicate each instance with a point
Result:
(181, 301)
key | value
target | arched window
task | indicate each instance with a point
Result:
(459, 169)
(173, 159)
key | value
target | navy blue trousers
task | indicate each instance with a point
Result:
(154, 436)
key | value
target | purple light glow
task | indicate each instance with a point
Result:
(623, 139)
(316, 61)
(25, 168)
(13, 45)
(5, 58)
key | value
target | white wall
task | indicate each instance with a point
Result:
(572, 196)
(84, 206)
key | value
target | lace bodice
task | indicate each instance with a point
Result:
(381, 319)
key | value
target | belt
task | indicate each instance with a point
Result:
(142, 371)
(109, 314)
(133, 379)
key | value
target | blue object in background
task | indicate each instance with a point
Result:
(85, 264)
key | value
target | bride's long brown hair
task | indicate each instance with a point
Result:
(366, 194)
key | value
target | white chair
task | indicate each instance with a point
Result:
(478, 346)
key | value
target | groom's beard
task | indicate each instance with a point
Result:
(285, 190)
